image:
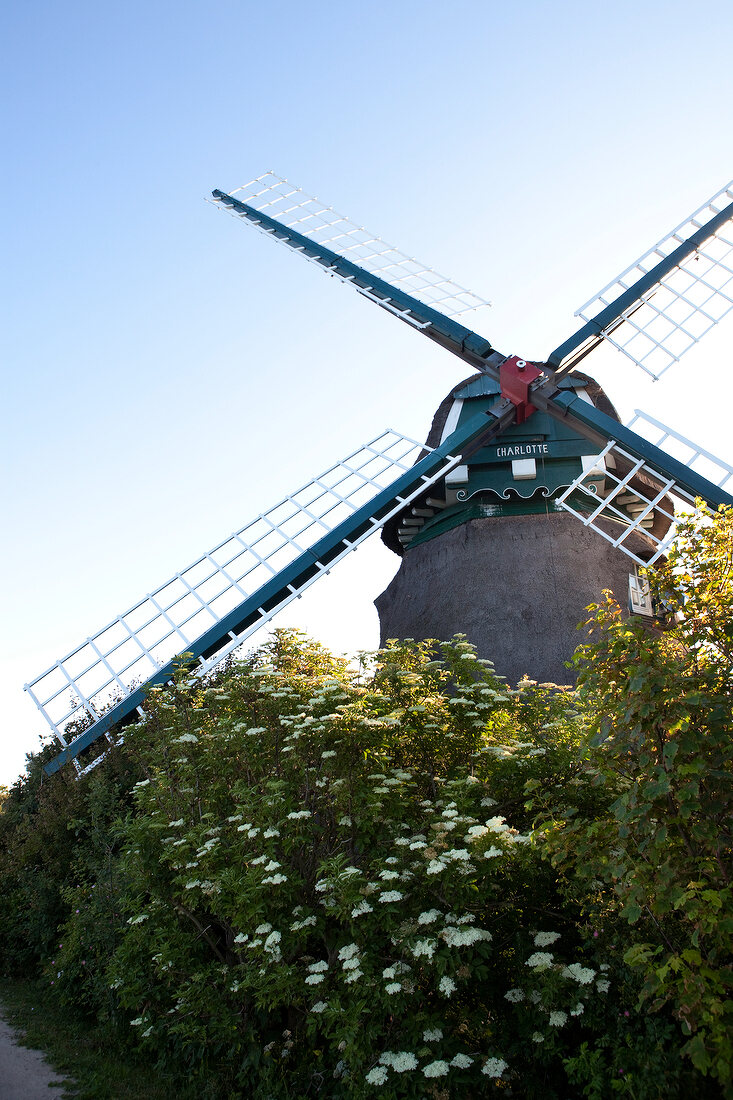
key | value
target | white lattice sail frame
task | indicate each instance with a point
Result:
(166, 622)
(629, 509)
(292, 207)
(693, 456)
(684, 305)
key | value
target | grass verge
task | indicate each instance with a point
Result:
(76, 1048)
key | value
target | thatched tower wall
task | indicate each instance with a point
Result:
(517, 586)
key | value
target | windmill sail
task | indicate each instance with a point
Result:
(624, 492)
(208, 609)
(665, 302)
(406, 288)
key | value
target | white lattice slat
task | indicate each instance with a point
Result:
(655, 330)
(291, 207)
(626, 504)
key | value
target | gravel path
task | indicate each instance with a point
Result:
(24, 1073)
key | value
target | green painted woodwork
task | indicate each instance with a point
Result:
(490, 488)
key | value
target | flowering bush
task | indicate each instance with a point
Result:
(335, 885)
(404, 880)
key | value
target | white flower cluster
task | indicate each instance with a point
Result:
(360, 909)
(401, 1061)
(544, 939)
(391, 895)
(306, 922)
(438, 1068)
(464, 937)
(350, 959)
(299, 815)
(316, 971)
(429, 916)
(514, 995)
(541, 960)
(581, 974)
(494, 1067)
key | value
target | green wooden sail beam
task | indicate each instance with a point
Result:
(450, 334)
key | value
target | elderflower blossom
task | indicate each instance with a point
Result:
(494, 1067)
(603, 986)
(544, 939)
(401, 1061)
(306, 922)
(429, 916)
(464, 937)
(541, 960)
(377, 1076)
(185, 737)
(299, 815)
(424, 947)
(581, 974)
(263, 929)
(360, 909)
(435, 867)
(348, 951)
(391, 895)
(432, 1035)
(537, 1037)
(393, 987)
(436, 1069)
(493, 852)
(314, 979)
(457, 854)
(461, 1061)
(558, 1019)
(447, 986)
(274, 880)
(514, 995)
(319, 1006)
(578, 1010)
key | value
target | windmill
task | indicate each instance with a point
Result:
(614, 480)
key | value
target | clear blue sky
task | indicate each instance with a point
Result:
(167, 375)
